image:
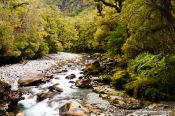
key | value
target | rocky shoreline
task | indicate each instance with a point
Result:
(120, 99)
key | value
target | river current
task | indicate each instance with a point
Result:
(50, 107)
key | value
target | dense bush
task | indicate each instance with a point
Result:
(119, 79)
(115, 40)
(152, 76)
(106, 78)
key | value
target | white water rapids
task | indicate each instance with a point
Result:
(50, 107)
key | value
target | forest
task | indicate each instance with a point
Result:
(138, 34)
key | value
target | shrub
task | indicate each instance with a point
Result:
(116, 39)
(43, 49)
(106, 78)
(152, 76)
(119, 79)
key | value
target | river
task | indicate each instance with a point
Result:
(50, 107)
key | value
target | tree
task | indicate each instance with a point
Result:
(149, 30)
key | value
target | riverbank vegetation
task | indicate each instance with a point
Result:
(138, 34)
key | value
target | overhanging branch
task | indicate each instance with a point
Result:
(20, 4)
(118, 8)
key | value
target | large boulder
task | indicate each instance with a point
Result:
(32, 81)
(4, 97)
(71, 76)
(73, 108)
(83, 83)
(8, 98)
(92, 69)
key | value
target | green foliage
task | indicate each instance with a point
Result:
(30, 29)
(150, 30)
(119, 79)
(43, 49)
(152, 73)
(86, 27)
(116, 39)
(99, 34)
(106, 78)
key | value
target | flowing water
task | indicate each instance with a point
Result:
(50, 107)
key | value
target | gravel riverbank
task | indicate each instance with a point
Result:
(11, 73)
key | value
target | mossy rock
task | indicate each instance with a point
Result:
(106, 78)
(119, 79)
(92, 69)
(97, 54)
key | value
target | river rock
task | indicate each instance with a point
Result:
(157, 106)
(4, 98)
(73, 108)
(80, 77)
(117, 98)
(49, 75)
(95, 79)
(55, 88)
(83, 83)
(64, 70)
(20, 114)
(15, 96)
(42, 96)
(32, 81)
(8, 98)
(71, 81)
(93, 69)
(71, 76)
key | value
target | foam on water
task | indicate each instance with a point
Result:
(49, 107)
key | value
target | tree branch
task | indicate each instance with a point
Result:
(112, 5)
(20, 4)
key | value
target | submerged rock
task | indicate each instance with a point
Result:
(71, 81)
(83, 83)
(73, 108)
(71, 76)
(55, 88)
(43, 96)
(80, 77)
